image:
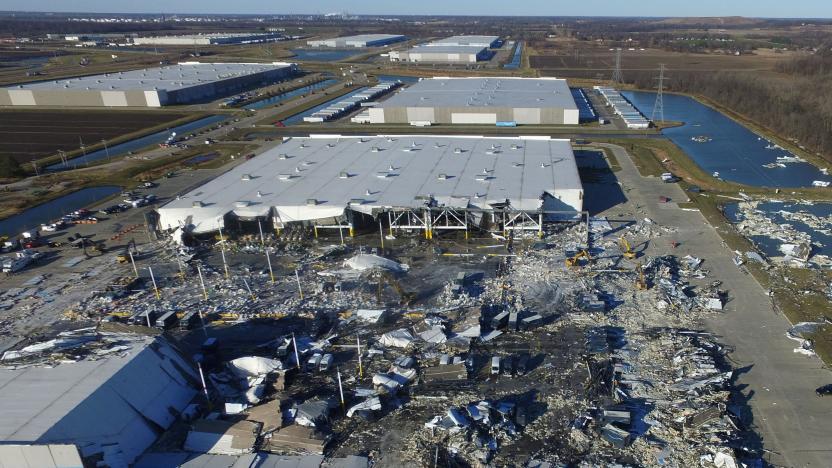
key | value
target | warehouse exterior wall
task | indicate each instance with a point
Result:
(458, 115)
(135, 97)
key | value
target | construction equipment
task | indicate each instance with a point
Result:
(641, 280)
(573, 260)
(123, 257)
(626, 250)
(382, 277)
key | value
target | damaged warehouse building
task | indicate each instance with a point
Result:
(426, 184)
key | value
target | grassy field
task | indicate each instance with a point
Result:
(49, 187)
(32, 134)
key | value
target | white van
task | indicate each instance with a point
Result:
(495, 365)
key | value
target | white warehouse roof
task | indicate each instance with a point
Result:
(482, 41)
(320, 176)
(168, 78)
(485, 92)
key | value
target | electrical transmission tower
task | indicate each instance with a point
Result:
(658, 107)
(616, 74)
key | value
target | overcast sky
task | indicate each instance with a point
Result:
(755, 8)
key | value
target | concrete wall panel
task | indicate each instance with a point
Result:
(423, 114)
(527, 116)
(473, 118)
(114, 98)
(21, 97)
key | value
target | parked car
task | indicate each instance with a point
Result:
(824, 390)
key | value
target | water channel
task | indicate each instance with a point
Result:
(52, 210)
(726, 148)
(136, 144)
(269, 101)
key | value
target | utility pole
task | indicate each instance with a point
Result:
(269, 262)
(155, 288)
(616, 73)
(106, 150)
(658, 107)
(341, 389)
(295, 345)
(133, 261)
(300, 289)
(360, 366)
(222, 251)
(262, 239)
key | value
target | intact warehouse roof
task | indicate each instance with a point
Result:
(485, 92)
(321, 176)
(484, 41)
(360, 40)
(369, 37)
(429, 49)
(112, 401)
(173, 77)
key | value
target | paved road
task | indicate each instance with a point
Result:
(796, 426)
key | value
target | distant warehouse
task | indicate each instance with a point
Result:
(456, 41)
(513, 101)
(208, 39)
(151, 87)
(361, 40)
(441, 54)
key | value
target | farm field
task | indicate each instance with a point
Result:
(31, 134)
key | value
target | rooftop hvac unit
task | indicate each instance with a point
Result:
(259, 194)
(344, 175)
(382, 175)
(197, 204)
(356, 201)
(284, 176)
(241, 204)
(311, 201)
(283, 156)
(442, 177)
(246, 177)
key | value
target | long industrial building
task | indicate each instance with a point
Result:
(509, 101)
(110, 395)
(151, 87)
(422, 183)
(361, 40)
(456, 41)
(208, 39)
(441, 54)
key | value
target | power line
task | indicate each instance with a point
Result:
(616, 73)
(658, 107)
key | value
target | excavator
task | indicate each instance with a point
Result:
(573, 260)
(626, 250)
(383, 276)
(641, 280)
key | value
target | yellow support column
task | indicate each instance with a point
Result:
(316, 232)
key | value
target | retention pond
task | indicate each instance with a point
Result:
(723, 147)
(51, 210)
